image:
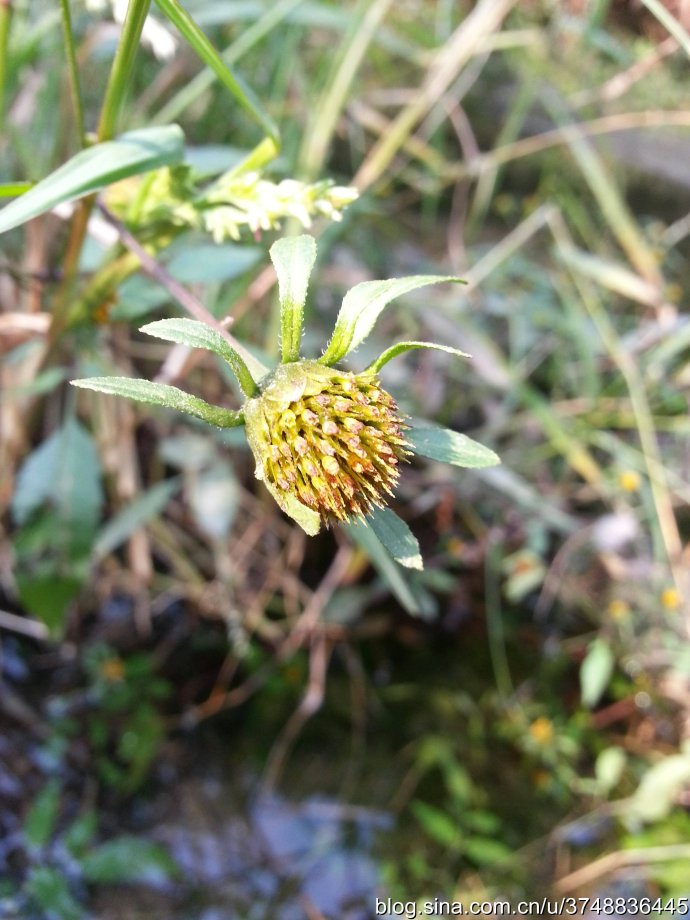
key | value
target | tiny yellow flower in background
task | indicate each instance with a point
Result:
(618, 609)
(670, 599)
(541, 730)
(629, 481)
(112, 670)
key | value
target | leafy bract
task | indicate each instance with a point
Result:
(92, 169)
(200, 335)
(160, 394)
(361, 308)
(293, 259)
(448, 446)
(396, 536)
(401, 347)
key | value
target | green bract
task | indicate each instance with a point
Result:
(327, 443)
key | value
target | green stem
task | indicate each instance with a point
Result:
(121, 72)
(75, 87)
(5, 17)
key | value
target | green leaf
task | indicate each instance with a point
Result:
(160, 394)
(402, 347)
(92, 169)
(64, 472)
(396, 536)
(293, 259)
(414, 602)
(127, 859)
(207, 263)
(49, 888)
(208, 54)
(194, 334)
(41, 817)
(14, 189)
(659, 788)
(361, 308)
(595, 672)
(437, 824)
(448, 446)
(133, 516)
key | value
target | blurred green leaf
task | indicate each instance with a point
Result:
(396, 536)
(92, 169)
(659, 788)
(128, 859)
(437, 824)
(41, 817)
(485, 851)
(608, 769)
(448, 446)
(143, 509)
(50, 890)
(206, 263)
(595, 672)
(47, 593)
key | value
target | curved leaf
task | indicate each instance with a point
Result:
(396, 536)
(160, 394)
(199, 335)
(448, 446)
(402, 347)
(92, 169)
(361, 308)
(293, 259)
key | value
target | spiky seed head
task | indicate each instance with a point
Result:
(331, 439)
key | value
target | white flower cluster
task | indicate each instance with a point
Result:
(155, 36)
(236, 201)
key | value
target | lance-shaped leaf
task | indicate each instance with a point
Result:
(450, 447)
(160, 394)
(194, 334)
(94, 168)
(361, 308)
(293, 259)
(402, 347)
(396, 536)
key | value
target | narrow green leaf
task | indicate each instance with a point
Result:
(293, 258)
(361, 308)
(198, 335)
(41, 817)
(595, 672)
(160, 394)
(49, 888)
(402, 347)
(448, 446)
(388, 569)
(396, 536)
(208, 54)
(92, 169)
(133, 516)
(127, 859)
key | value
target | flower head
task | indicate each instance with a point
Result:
(331, 439)
(327, 443)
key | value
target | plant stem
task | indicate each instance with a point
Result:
(5, 17)
(110, 110)
(73, 71)
(122, 67)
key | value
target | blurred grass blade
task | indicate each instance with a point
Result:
(14, 189)
(133, 516)
(361, 308)
(208, 54)
(401, 347)
(194, 334)
(160, 394)
(293, 259)
(90, 170)
(246, 40)
(396, 536)
(595, 672)
(448, 446)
